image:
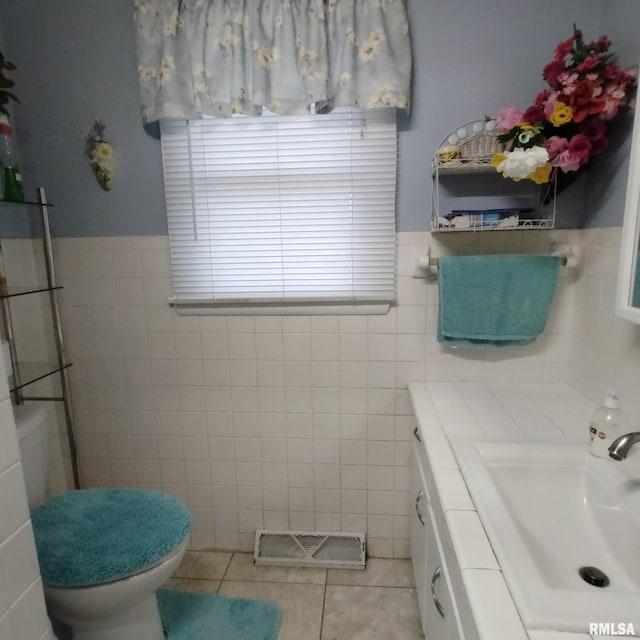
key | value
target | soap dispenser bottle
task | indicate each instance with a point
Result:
(606, 425)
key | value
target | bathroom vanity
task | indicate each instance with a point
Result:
(473, 581)
(441, 597)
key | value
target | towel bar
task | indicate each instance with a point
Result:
(428, 264)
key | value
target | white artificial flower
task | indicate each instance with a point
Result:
(520, 163)
(525, 136)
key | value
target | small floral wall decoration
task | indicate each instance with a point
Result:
(101, 154)
(566, 127)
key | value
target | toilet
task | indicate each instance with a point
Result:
(103, 553)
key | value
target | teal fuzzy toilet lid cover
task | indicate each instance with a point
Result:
(94, 536)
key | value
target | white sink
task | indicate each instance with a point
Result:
(548, 511)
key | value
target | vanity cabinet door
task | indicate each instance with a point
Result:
(418, 533)
(440, 620)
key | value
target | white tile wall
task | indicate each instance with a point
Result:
(22, 610)
(605, 349)
(296, 422)
(275, 421)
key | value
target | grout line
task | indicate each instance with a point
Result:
(375, 586)
(226, 570)
(324, 600)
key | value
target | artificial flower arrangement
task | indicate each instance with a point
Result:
(101, 154)
(567, 124)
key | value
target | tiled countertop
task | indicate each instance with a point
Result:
(535, 412)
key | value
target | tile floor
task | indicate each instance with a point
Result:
(317, 604)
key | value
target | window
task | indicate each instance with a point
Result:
(278, 211)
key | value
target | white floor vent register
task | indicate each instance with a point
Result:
(310, 549)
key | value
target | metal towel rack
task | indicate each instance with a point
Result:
(427, 265)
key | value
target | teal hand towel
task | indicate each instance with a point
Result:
(494, 301)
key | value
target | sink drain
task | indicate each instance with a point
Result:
(594, 576)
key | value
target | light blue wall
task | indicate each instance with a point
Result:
(76, 60)
(608, 178)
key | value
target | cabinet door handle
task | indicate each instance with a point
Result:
(434, 579)
(419, 497)
(416, 434)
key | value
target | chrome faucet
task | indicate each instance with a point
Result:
(619, 448)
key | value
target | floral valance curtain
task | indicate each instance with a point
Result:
(220, 57)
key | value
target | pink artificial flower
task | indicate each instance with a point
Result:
(575, 155)
(587, 64)
(551, 73)
(569, 79)
(613, 72)
(508, 117)
(550, 105)
(555, 145)
(580, 146)
(617, 93)
(610, 109)
(566, 161)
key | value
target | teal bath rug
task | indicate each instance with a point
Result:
(204, 616)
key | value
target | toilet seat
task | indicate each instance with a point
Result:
(96, 536)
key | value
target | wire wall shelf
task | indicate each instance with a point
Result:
(466, 152)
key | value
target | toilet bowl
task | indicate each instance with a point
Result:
(103, 553)
(125, 609)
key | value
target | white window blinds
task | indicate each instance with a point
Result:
(282, 209)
